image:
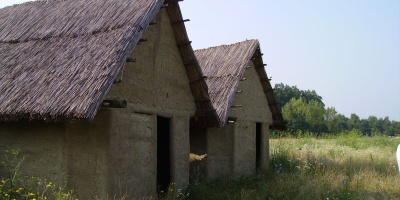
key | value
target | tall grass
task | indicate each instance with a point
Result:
(345, 166)
(15, 186)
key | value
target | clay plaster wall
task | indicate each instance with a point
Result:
(232, 149)
(115, 154)
(157, 85)
(219, 158)
(132, 153)
(157, 82)
(41, 144)
(87, 155)
(254, 109)
(252, 99)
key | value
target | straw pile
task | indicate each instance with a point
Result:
(224, 67)
(58, 58)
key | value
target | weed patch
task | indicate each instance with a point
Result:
(340, 167)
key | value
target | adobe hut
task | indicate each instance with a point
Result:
(100, 92)
(240, 91)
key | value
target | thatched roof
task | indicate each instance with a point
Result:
(59, 58)
(206, 115)
(224, 67)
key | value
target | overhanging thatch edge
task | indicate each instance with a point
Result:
(198, 85)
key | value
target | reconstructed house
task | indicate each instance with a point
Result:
(244, 100)
(100, 93)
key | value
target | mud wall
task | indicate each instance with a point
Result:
(232, 149)
(252, 99)
(132, 154)
(220, 147)
(87, 156)
(157, 82)
(250, 107)
(157, 85)
(41, 144)
(115, 154)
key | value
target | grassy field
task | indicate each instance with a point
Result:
(339, 167)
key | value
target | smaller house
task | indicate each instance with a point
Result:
(243, 97)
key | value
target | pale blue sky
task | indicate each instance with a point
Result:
(346, 50)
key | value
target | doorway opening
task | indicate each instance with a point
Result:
(258, 144)
(198, 153)
(163, 153)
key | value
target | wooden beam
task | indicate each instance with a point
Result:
(130, 59)
(205, 111)
(236, 106)
(180, 21)
(243, 79)
(143, 40)
(232, 119)
(198, 79)
(239, 91)
(114, 104)
(265, 79)
(143, 112)
(263, 65)
(172, 1)
(197, 99)
(152, 23)
(184, 43)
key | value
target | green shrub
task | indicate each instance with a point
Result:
(14, 185)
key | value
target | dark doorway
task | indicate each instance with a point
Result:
(258, 144)
(198, 153)
(163, 154)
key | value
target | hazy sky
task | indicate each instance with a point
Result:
(348, 51)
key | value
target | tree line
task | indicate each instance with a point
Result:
(304, 110)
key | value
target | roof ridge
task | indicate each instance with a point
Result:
(228, 45)
(92, 33)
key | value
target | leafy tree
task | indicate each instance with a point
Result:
(343, 123)
(374, 125)
(332, 120)
(315, 117)
(284, 93)
(304, 116)
(396, 127)
(364, 127)
(304, 110)
(354, 122)
(293, 112)
(387, 126)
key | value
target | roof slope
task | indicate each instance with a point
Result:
(58, 58)
(206, 115)
(224, 67)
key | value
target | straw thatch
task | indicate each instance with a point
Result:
(224, 67)
(59, 58)
(206, 115)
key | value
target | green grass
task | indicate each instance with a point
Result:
(342, 167)
(15, 186)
